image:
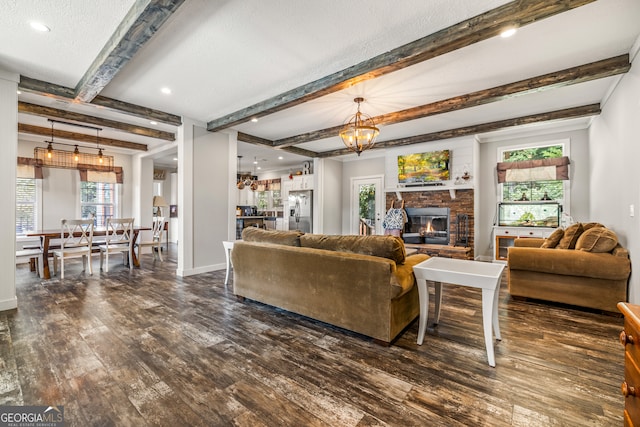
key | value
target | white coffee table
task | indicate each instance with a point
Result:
(475, 274)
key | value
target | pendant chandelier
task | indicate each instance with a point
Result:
(360, 132)
(75, 159)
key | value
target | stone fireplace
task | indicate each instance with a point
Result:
(460, 206)
(427, 225)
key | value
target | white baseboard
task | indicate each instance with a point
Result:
(200, 270)
(9, 304)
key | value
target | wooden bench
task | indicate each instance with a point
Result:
(33, 254)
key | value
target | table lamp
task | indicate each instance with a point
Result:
(159, 202)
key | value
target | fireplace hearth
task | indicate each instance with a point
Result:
(427, 225)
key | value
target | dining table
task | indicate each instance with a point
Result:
(46, 236)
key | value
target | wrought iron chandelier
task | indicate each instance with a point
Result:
(360, 131)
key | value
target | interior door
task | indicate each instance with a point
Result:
(367, 205)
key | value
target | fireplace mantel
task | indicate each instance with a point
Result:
(447, 187)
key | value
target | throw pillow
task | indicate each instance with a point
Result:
(553, 239)
(570, 237)
(588, 225)
(597, 239)
(288, 238)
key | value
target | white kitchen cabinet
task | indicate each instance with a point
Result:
(302, 182)
(246, 197)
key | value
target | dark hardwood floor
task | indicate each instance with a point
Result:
(148, 348)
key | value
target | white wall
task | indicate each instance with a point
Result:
(9, 138)
(614, 150)
(205, 191)
(328, 200)
(211, 185)
(487, 185)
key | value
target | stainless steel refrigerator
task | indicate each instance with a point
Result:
(301, 210)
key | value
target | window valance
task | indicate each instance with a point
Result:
(534, 170)
(95, 174)
(268, 185)
(29, 168)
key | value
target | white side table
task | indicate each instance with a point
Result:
(475, 274)
(228, 247)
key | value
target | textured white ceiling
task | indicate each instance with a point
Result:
(222, 56)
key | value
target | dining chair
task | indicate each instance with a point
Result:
(119, 238)
(156, 240)
(76, 240)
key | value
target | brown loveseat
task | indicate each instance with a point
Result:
(361, 283)
(583, 265)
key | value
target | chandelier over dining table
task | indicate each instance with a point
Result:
(59, 158)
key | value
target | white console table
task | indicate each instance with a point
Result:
(505, 236)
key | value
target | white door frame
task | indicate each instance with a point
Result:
(354, 220)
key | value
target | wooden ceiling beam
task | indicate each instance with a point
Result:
(142, 21)
(300, 151)
(570, 76)
(252, 139)
(51, 90)
(457, 36)
(567, 113)
(38, 110)
(256, 140)
(80, 137)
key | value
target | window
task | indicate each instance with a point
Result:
(25, 205)
(534, 190)
(98, 199)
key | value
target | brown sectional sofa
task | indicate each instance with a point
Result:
(592, 272)
(361, 283)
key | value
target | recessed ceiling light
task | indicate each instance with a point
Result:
(153, 122)
(508, 32)
(38, 26)
(254, 120)
(280, 157)
(258, 168)
(18, 92)
(175, 158)
(166, 91)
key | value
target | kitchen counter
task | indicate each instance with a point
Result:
(243, 222)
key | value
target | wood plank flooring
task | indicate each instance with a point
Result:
(147, 348)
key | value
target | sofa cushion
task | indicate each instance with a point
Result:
(597, 239)
(288, 238)
(570, 237)
(553, 239)
(390, 247)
